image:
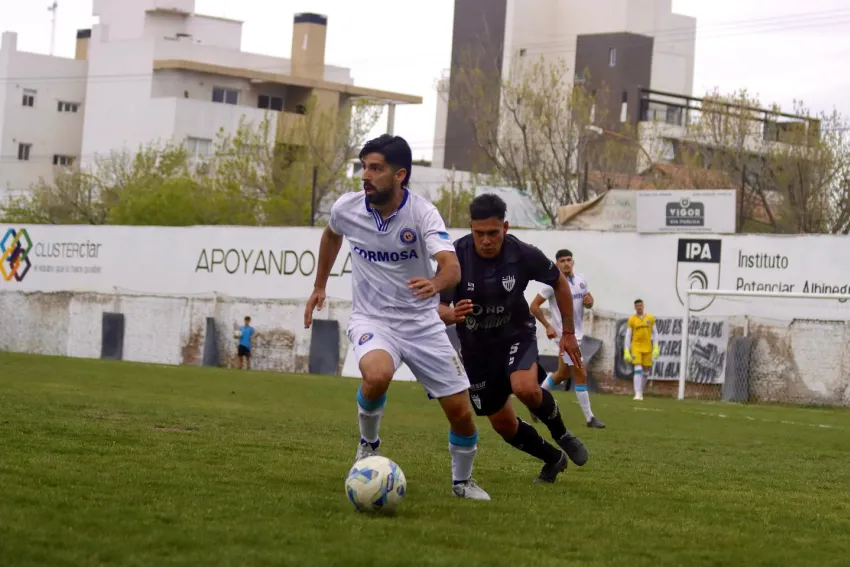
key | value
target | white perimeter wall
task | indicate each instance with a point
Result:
(76, 273)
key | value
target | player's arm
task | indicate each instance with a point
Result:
(542, 269)
(329, 247)
(564, 298)
(587, 300)
(328, 251)
(536, 310)
(447, 314)
(627, 344)
(448, 271)
(440, 247)
(656, 351)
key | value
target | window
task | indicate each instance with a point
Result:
(68, 106)
(270, 102)
(612, 57)
(63, 160)
(24, 151)
(624, 107)
(28, 98)
(227, 96)
(199, 147)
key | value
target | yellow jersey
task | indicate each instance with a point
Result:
(641, 332)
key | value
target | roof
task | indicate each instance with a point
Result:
(282, 79)
(663, 176)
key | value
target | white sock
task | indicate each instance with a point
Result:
(369, 414)
(638, 380)
(584, 401)
(462, 448)
(548, 383)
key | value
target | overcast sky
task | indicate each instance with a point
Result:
(781, 50)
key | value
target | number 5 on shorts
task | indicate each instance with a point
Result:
(512, 352)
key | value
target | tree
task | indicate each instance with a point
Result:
(453, 200)
(538, 133)
(254, 176)
(792, 167)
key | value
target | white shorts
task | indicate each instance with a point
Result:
(430, 355)
(566, 357)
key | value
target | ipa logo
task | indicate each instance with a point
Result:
(685, 213)
(14, 254)
(697, 267)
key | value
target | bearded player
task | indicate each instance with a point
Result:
(581, 299)
(498, 338)
(641, 348)
(393, 234)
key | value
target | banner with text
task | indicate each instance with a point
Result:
(691, 211)
(280, 263)
(708, 341)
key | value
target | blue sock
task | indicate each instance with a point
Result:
(462, 448)
(369, 414)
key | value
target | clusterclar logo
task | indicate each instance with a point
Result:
(15, 254)
(685, 213)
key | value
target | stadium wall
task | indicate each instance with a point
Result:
(57, 281)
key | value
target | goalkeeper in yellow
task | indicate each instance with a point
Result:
(641, 346)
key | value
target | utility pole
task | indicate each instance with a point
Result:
(52, 8)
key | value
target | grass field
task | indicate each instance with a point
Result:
(105, 463)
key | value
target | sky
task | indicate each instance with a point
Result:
(779, 50)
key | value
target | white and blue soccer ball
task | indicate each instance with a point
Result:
(237, 334)
(375, 484)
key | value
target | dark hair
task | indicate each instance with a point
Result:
(638, 301)
(563, 253)
(395, 150)
(247, 318)
(487, 206)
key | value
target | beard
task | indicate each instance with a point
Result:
(378, 197)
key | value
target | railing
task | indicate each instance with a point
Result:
(682, 110)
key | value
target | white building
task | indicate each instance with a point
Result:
(627, 44)
(155, 71)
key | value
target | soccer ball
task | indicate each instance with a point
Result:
(237, 334)
(375, 484)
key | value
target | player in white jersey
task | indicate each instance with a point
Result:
(393, 234)
(581, 299)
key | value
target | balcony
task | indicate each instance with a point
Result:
(679, 115)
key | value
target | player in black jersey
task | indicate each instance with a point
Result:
(498, 334)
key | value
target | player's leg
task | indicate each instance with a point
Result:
(583, 397)
(248, 359)
(647, 364)
(638, 376)
(524, 437)
(525, 384)
(378, 361)
(437, 367)
(553, 379)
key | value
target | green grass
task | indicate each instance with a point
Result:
(105, 463)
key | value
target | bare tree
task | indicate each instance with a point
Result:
(535, 134)
(791, 167)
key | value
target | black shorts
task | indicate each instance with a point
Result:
(243, 351)
(490, 372)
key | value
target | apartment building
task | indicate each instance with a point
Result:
(625, 44)
(155, 70)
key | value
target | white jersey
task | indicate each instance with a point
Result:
(578, 285)
(386, 254)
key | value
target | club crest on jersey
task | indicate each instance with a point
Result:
(508, 282)
(583, 285)
(365, 337)
(407, 236)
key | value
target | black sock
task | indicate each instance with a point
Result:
(527, 439)
(549, 414)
